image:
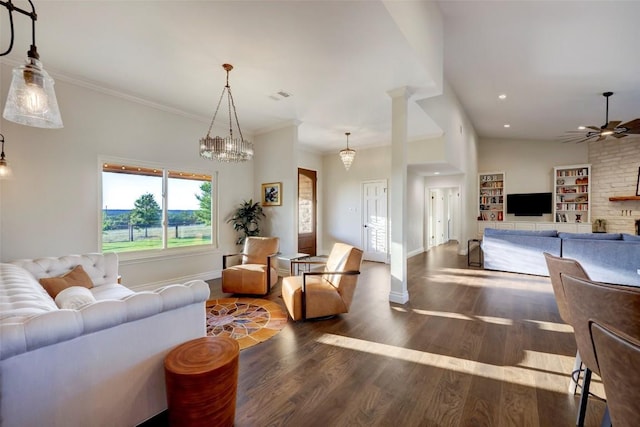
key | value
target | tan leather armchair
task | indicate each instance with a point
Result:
(257, 272)
(324, 293)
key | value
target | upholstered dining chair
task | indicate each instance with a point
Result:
(257, 271)
(618, 359)
(614, 306)
(558, 266)
(324, 293)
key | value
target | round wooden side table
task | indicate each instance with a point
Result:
(202, 378)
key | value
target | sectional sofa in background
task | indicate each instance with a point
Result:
(606, 257)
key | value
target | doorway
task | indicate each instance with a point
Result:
(307, 206)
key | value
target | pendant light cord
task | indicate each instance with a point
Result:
(11, 8)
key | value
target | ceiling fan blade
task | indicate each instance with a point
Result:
(579, 139)
(602, 138)
(633, 126)
(613, 124)
(619, 135)
(594, 128)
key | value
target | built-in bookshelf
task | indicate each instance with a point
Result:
(572, 194)
(491, 196)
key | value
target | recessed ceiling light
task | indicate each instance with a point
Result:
(581, 128)
(502, 96)
(507, 125)
(436, 173)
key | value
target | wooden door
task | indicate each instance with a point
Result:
(307, 180)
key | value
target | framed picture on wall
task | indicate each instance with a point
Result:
(272, 194)
(638, 184)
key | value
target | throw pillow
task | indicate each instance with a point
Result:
(76, 277)
(74, 298)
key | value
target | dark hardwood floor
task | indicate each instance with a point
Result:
(471, 348)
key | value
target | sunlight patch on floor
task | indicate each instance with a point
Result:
(460, 316)
(551, 326)
(533, 371)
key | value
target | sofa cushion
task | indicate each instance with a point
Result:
(74, 297)
(609, 261)
(591, 236)
(539, 233)
(631, 237)
(76, 277)
(519, 253)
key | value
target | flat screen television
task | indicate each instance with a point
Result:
(529, 204)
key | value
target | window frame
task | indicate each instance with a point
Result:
(164, 251)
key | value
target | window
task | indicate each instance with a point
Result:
(137, 214)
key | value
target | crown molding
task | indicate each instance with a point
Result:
(76, 81)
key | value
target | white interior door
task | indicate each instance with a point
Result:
(436, 217)
(374, 221)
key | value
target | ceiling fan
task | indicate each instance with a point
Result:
(609, 128)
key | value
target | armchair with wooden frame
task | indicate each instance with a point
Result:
(257, 272)
(327, 292)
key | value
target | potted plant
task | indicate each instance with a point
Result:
(246, 220)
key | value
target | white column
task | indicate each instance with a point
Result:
(398, 193)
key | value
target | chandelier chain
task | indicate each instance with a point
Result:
(216, 112)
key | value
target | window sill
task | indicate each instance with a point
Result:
(129, 258)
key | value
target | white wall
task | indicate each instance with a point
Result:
(415, 214)
(461, 144)
(52, 205)
(276, 160)
(528, 165)
(342, 211)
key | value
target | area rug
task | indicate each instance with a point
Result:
(248, 320)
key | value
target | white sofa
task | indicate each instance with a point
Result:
(100, 365)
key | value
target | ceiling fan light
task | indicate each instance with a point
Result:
(606, 133)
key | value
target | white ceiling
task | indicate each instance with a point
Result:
(338, 59)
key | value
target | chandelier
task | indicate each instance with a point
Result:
(347, 155)
(227, 149)
(31, 100)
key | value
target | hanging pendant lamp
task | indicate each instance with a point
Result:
(5, 170)
(31, 100)
(347, 155)
(226, 149)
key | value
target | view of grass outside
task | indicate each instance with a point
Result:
(185, 235)
(133, 202)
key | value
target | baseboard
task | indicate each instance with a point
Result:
(415, 252)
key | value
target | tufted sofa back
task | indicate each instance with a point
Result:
(102, 268)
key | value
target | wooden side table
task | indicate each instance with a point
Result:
(202, 379)
(479, 262)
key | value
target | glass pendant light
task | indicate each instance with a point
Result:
(31, 100)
